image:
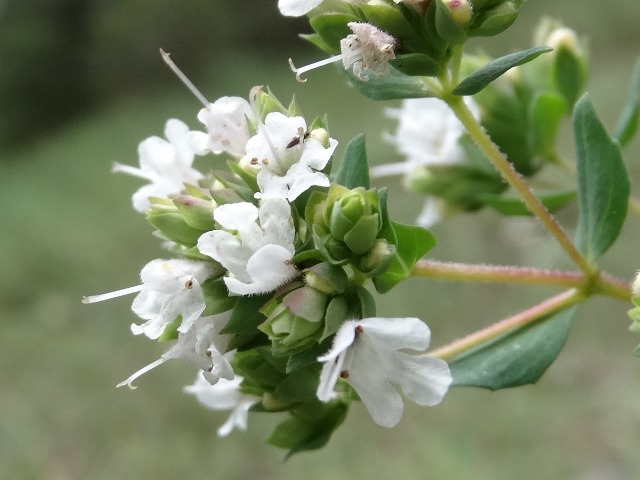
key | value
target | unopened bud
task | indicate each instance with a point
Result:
(461, 11)
(569, 66)
(320, 134)
(327, 278)
(378, 258)
(197, 212)
(166, 217)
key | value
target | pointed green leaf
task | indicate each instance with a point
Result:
(628, 123)
(515, 359)
(487, 74)
(354, 169)
(412, 243)
(304, 431)
(394, 86)
(603, 182)
(332, 27)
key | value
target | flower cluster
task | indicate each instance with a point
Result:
(410, 37)
(265, 291)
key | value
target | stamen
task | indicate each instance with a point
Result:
(129, 381)
(110, 295)
(192, 88)
(261, 126)
(320, 63)
(129, 170)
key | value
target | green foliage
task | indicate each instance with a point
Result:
(394, 86)
(603, 183)
(354, 169)
(517, 358)
(494, 69)
(627, 125)
(310, 427)
(412, 243)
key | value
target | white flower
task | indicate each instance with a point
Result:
(166, 164)
(289, 160)
(369, 354)
(170, 288)
(256, 245)
(297, 8)
(428, 134)
(367, 50)
(224, 395)
(227, 122)
(203, 346)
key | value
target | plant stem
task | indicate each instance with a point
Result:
(544, 309)
(493, 153)
(605, 284)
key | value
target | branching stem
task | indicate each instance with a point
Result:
(508, 172)
(604, 284)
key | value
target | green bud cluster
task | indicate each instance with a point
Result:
(425, 31)
(346, 225)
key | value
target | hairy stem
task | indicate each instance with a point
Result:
(544, 309)
(604, 284)
(497, 158)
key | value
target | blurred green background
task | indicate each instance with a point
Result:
(81, 84)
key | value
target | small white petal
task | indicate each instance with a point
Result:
(297, 8)
(370, 354)
(269, 268)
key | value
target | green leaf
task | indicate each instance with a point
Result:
(603, 182)
(332, 27)
(546, 111)
(415, 64)
(354, 169)
(628, 122)
(246, 315)
(510, 206)
(394, 86)
(492, 70)
(308, 432)
(412, 243)
(515, 359)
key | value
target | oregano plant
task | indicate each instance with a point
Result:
(274, 249)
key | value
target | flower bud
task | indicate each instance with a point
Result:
(378, 258)
(171, 224)
(197, 212)
(326, 278)
(496, 20)
(352, 220)
(569, 67)
(461, 11)
(266, 102)
(322, 135)
(294, 321)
